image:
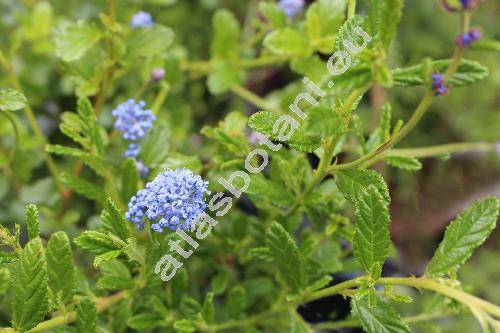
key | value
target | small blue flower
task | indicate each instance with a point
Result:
(141, 19)
(467, 38)
(143, 170)
(173, 200)
(291, 7)
(133, 150)
(132, 120)
(438, 84)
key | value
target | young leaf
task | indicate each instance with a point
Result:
(112, 220)
(29, 289)
(60, 266)
(468, 231)
(381, 318)
(130, 179)
(262, 188)
(353, 182)
(149, 42)
(236, 302)
(86, 316)
(32, 222)
(98, 260)
(404, 162)
(287, 257)
(346, 32)
(155, 146)
(12, 100)
(287, 41)
(371, 240)
(324, 122)
(390, 15)
(95, 162)
(145, 321)
(226, 35)
(83, 186)
(74, 40)
(96, 242)
(208, 310)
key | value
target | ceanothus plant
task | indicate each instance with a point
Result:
(144, 227)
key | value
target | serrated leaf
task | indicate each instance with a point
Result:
(236, 302)
(60, 266)
(184, 326)
(264, 121)
(130, 179)
(145, 321)
(330, 15)
(371, 240)
(467, 232)
(93, 161)
(346, 31)
(114, 283)
(262, 188)
(324, 122)
(390, 15)
(381, 318)
(404, 162)
(7, 257)
(468, 72)
(32, 222)
(155, 146)
(353, 182)
(149, 42)
(4, 280)
(208, 309)
(287, 41)
(74, 40)
(226, 38)
(86, 316)
(83, 187)
(96, 242)
(287, 257)
(135, 252)
(98, 260)
(112, 220)
(29, 289)
(12, 100)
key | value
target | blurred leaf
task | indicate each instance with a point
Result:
(145, 321)
(60, 266)
(184, 326)
(236, 302)
(222, 77)
(262, 188)
(74, 40)
(208, 310)
(86, 316)
(467, 232)
(486, 45)
(95, 162)
(404, 162)
(83, 187)
(29, 289)
(381, 318)
(12, 100)
(149, 42)
(288, 42)
(330, 15)
(274, 14)
(371, 240)
(390, 15)
(226, 38)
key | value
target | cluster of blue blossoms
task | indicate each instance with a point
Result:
(438, 84)
(173, 200)
(141, 19)
(467, 38)
(133, 121)
(291, 7)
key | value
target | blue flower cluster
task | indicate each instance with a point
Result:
(133, 121)
(291, 7)
(438, 84)
(173, 200)
(141, 19)
(467, 38)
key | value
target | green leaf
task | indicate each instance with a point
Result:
(116, 276)
(330, 15)
(86, 316)
(7, 257)
(226, 38)
(486, 45)
(287, 257)
(467, 232)
(274, 14)
(208, 309)
(261, 188)
(264, 121)
(353, 182)
(112, 220)
(371, 240)
(385, 122)
(83, 187)
(155, 146)
(4, 280)
(149, 42)
(236, 302)
(60, 266)
(346, 31)
(390, 15)
(93, 161)
(184, 326)
(74, 40)
(29, 289)
(468, 72)
(145, 321)
(32, 222)
(381, 318)
(98, 260)
(404, 162)
(12, 100)
(96, 242)
(130, 179)
(222, 77)
(287, 41)
(324, 122)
